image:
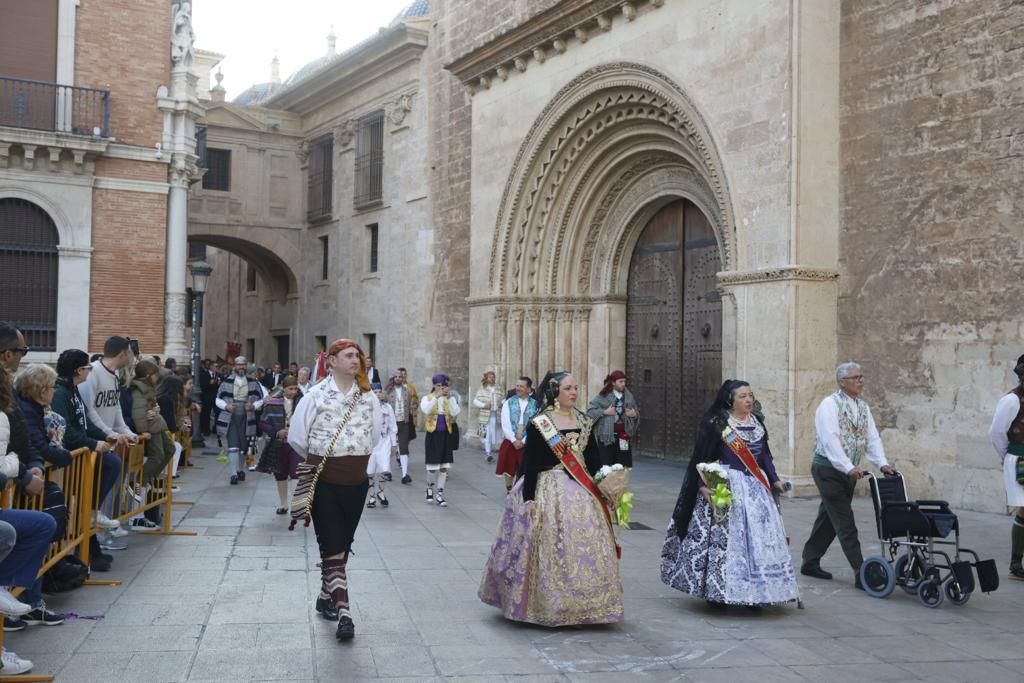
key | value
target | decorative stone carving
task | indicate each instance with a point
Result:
(302, 153)
(520, 64)
(629, 11)
(397, 110)
(604, 22)
(182, 36)
(559, 45)
(581, 34)
(780, 274)
(345, 133)
(502, 72)
(484, 83)
(539, 55)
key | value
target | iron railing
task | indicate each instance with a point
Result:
(39, 105)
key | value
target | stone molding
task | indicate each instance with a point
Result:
(589, 110)
(81, 148)
(549, 33)
(504, 303)
(780, 274)
(129, 185)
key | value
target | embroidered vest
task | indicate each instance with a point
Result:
(853, 431)
(486, 395)
(440, 406)
(513, 413)
(356, 438)
(1016, 432)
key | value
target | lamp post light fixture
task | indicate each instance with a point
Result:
(200, 271)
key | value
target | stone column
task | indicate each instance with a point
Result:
(563, 350)
(175, 344)
(548, 339)
(500, 343)
(515, 340)
(531, 340)
(580, 339)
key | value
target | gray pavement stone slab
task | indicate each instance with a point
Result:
(855, 673)
(155, 638)
(967, 672)
(252, 665)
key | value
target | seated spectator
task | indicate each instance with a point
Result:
(34, 387)
(146, 414)
(34, 531)
(73, 369)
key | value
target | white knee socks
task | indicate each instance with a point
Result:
(442, 478)
(403, 460)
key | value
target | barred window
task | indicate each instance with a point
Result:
(218, 170)
(28, 272)
(369, 160)
(250, 277)
(321, 174)
(373, 233)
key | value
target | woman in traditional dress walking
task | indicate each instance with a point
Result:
(278, 457)
(555, 560)
(440, 409)
(378, 469)
(488, 404)
(744, 558)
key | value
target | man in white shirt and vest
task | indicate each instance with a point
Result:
(335, 427)
(846, 433)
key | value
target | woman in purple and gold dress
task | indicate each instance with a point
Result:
(555, 560)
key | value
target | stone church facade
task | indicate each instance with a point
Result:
(693, 191)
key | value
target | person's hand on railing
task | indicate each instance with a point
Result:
(102, 447)
(36, 485)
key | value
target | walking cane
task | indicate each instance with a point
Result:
(787, 486)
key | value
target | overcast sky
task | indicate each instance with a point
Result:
(249, 31)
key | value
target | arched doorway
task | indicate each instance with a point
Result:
(28, 271)
(673, 327)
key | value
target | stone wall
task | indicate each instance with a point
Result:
(933, 157)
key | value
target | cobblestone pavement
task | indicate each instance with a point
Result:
(234, 604)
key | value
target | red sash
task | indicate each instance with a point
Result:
(560, 447)
(738, 446)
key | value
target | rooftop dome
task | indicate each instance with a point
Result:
(256, 93)
(418, 8)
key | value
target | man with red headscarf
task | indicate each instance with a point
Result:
(336, 427)
(616, 420)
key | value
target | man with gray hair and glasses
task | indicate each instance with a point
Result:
(846, 433)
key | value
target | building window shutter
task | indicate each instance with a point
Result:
(369, 173)
(321, 174)
(28, 272)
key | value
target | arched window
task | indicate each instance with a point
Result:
(28, 272)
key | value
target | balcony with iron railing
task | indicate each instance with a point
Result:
(51, 107)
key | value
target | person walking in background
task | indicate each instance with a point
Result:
(278, 457)
(488, 404)
(440, 410)
(398, 395)
(208, 383)
(616, 420)
(380, 459)
(846, 434)
(1007, 436)
(238, 399)
(515, 415)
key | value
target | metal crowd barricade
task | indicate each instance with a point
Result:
(135, 496)
(77, 481)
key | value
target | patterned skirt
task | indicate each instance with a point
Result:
(559, 570)
(743, 560)
(509, 458)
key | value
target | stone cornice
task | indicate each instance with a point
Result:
(131, 185)
(550, 32)
(523, 302)
(780, 274)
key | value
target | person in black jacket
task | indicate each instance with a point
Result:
(35, 386)
(208, 383)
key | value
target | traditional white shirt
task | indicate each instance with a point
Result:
(826, 423)
(318, 415)
(400, 407)
(509, 429)
(240, 388)
(1006, 413)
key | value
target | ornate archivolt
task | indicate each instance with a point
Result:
(615, 132)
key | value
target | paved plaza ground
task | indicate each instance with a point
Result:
(234, 604)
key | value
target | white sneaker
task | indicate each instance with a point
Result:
(119, 532)
(11, 606)
(12, 664)
(102, 521)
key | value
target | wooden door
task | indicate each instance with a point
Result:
(673, 321)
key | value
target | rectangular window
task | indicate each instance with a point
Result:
(250, 277)
(218, 170)
(189, 307)
(321, 342)
(325, 260)
(370, 346)
(369, 160)
(373, 235)
(321, 174)
(196, 251)
(250, 349)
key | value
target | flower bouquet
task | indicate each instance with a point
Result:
(613, 481)
(716, 478)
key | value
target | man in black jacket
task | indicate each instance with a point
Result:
(208, 383)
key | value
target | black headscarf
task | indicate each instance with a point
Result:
(550, 387)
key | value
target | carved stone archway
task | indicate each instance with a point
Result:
(611, 148)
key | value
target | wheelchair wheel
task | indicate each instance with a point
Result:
(907, 575)
(956, 595)
(929, 593)
(877, 576)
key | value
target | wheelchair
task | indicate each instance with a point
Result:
(917, 554)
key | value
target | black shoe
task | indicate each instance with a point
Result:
(372, 503)
(241, 475)
(326, 609)
(816, 571)
(234, 479)
(382, 500)
(98, 564)
(12, 624)
(407, 479)
(386, 476)
(490, 458)
(430, 494)
(281, 511)
(41, 615)
(1016, 572)
(346, 629)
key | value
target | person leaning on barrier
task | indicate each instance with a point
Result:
(846, 433)
(79, 431)
(146, 414)
(101, 391)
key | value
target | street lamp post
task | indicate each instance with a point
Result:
(200, 271)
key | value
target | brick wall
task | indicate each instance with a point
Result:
(131, 170)
(932, 160)
(128, 268)
(124, 45)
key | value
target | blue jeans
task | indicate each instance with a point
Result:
(21, 567)
(109, 466)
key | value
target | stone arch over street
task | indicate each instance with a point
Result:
(614, 147)
(276, 257)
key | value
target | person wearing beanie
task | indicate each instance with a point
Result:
(378, 469)
(440, 409)
(336, 427)
(1007, 436)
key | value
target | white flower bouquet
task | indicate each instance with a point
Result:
(716, 478)
(613, 481)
